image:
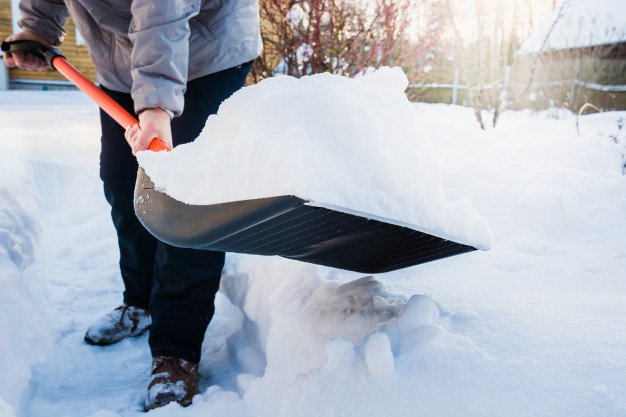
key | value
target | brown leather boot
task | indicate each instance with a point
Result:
(125, 321)
(173, 379)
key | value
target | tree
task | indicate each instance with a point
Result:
(485, 60)
(337, 36)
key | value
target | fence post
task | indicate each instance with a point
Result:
(455, 85)
(574, 89)
(4, 77)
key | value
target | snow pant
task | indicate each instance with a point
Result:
(177, 285)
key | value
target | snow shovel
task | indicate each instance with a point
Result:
(289, 226)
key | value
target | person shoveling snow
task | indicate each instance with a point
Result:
(157, 65)
(339, 142)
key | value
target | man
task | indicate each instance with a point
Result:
(171, 63)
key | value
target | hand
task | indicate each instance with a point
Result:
(23, 60)
(155, 123)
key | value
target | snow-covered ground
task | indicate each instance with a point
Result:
(536, 326)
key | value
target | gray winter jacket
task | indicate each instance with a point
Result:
(151, 48)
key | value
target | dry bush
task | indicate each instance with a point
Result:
(337, 36)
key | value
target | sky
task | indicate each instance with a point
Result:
(529, 14)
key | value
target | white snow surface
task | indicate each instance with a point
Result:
(352, 143)
(580, 24)
(534, 327)
(24, 338)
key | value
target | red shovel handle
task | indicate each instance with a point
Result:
(54, 58)
(105, 102)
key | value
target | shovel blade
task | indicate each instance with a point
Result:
(291, 227)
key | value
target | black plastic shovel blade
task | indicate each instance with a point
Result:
(290, 227)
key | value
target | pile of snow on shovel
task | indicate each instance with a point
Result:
(353, 143)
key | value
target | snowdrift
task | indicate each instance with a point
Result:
(24, 337)
(353, 143)
(308, 341)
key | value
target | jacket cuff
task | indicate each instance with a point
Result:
(155, 92)
(45, 30)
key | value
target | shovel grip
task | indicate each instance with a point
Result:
(38, 50)
(58, 62)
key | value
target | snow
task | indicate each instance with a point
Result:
(378, 355)
(24, 339)
(352, 143)
(177, 389)
(533, 327)
(580, 24)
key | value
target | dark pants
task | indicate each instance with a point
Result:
(177, 285)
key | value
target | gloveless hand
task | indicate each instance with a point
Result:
(21, 59)
(155, 123)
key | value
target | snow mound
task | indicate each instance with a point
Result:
(24, 338)
(353, 143)
(305, 340)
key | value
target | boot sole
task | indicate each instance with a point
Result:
(92, 342)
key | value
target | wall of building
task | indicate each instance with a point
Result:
(571, 78)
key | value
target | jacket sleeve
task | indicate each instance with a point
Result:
(46, 18)
(159, 31)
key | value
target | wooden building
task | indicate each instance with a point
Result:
(578, 56)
